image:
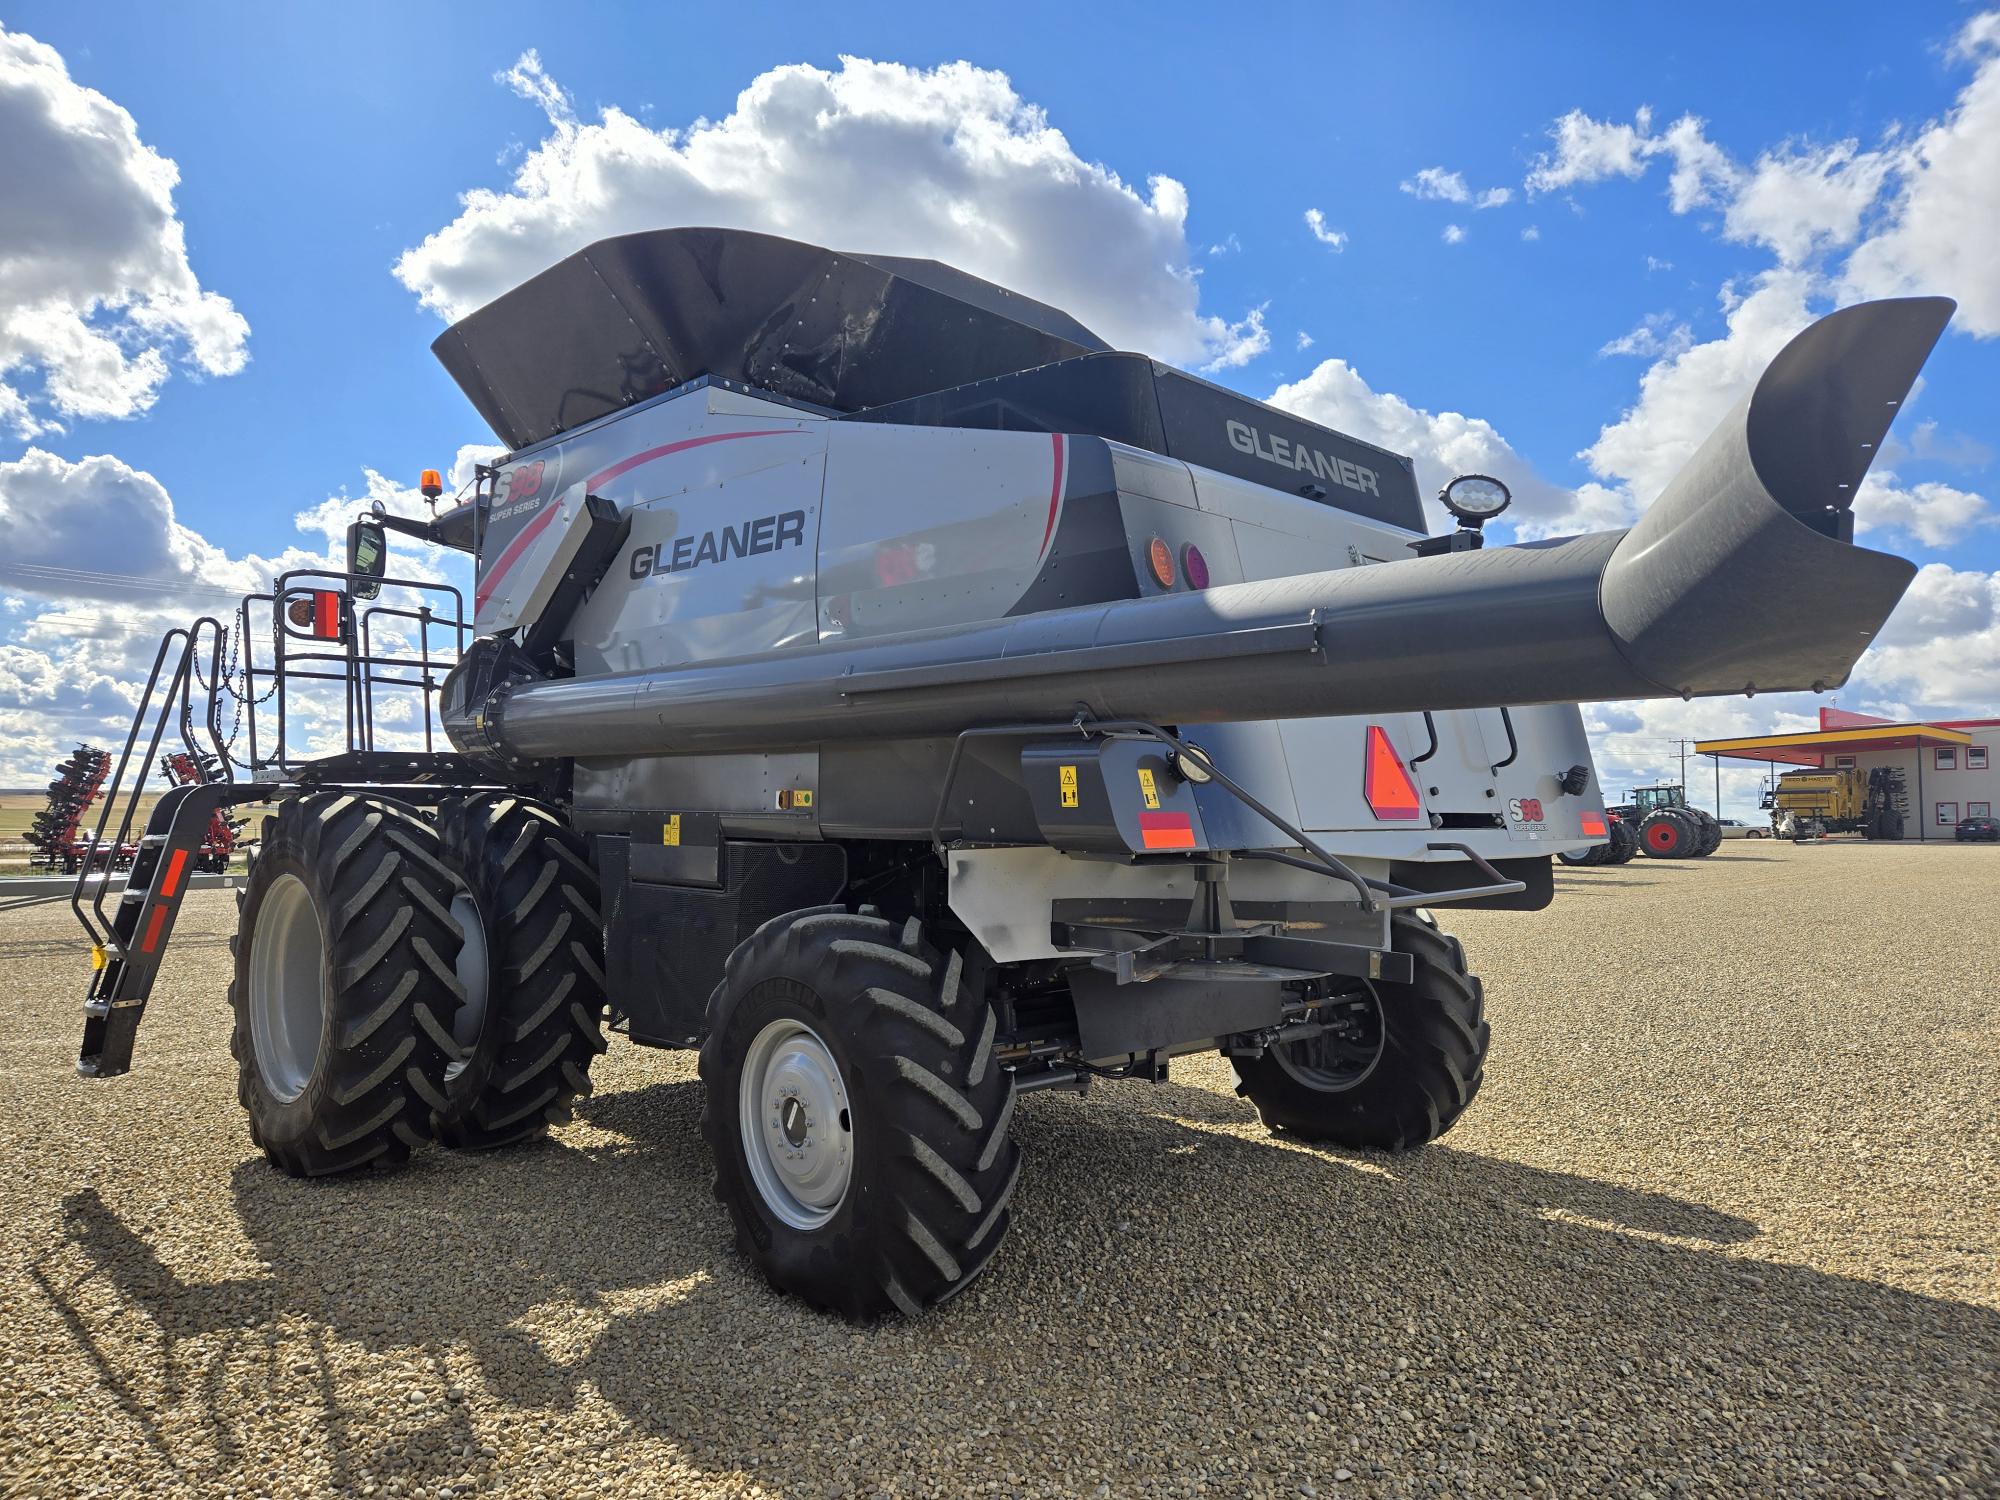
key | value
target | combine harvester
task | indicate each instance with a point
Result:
(880, 685)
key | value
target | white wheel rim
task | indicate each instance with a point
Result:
(472, 974)
(287, 987)
(798, 1133)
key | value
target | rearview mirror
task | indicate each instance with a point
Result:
(367, 558)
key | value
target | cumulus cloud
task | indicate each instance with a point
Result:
(1934, 514)
(1454, 234)
(1316, 222)
(1656, 336)
(1443, 445)
(1939, 225)
(1436, 182)
(98, 300)
(1913, 214)
(98, 565)
(1532, 232)
(947, 162)
(1495, 198)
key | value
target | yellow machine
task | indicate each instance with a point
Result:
(1809, 803)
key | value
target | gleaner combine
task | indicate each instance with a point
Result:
(879, 684)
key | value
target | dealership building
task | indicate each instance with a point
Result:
(1951, 767)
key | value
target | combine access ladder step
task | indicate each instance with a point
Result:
(126, 964)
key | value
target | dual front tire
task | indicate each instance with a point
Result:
(397, 982)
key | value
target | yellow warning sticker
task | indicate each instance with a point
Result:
(670, 832)
(1067, 776)
(1149, 789)
(802, 797)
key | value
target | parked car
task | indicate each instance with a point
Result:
(1736, 828)
(1978, 828)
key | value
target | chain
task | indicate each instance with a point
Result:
(233, 659)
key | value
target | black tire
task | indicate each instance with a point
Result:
(1427, 1066)
(1624, 843)
(925, 1201)
(527, 1053)
(1710, 828)
(1668, 833)
(359, 1090)
(1590, 856)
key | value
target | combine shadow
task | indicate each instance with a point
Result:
(607, 1272)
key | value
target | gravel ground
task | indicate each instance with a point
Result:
(1725, 1221)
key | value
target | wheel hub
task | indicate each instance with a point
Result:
(797, 1130)
(1345, 1053)
(287, 988)
(472, 972)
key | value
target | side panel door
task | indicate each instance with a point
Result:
(715, 569)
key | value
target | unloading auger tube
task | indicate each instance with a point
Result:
(1740, 578)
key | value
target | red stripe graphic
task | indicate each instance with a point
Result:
(528, 533)
(1055, 495)
(1166, 830)
(172, 882)
(153, 930)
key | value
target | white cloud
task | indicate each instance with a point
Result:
(1938, 234)
(1305, 340)
(947, 162)
(98, 566)
(1454, 234)
(1656, 335)
(1240, 343)
(1941, 651)
(1436, 182)
(1532, 232)
(1588, 150)
(1495, 198)
(1443, 445)
(1654, 263)
(1316, 222)
(1935, 514)
(1693, 385)
(97, 298)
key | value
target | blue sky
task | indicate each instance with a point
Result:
(315, 150)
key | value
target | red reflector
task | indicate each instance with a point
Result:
(1166, 830)
(1385, 783)
(153, 926)
(1194, 567)
(172, 880)
(1593, 824)
(326, 615)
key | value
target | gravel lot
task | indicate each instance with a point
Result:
(1725, 1221)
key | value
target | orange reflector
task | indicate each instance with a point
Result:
(1166, 830)
(1593, 824)
(1162, 558)
(1385, 783)
(326, 615)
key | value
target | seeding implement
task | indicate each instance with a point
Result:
(877, 683)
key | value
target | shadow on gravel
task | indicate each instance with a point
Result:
(1157, 1258)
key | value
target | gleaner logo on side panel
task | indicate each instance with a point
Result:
(751, 539)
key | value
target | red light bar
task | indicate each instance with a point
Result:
(1593, 824)
(1385, 783)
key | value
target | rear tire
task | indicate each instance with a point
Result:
(857, 1115)
(344, 991)
(1667, 833)
(1425, 1073)
(533, 1021)
(1710, 828)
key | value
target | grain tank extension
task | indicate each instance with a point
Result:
(876, 682)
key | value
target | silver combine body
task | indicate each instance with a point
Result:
(883, 686)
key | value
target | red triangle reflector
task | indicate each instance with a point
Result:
(1386, 784)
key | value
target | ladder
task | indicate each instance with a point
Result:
(126, 944)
